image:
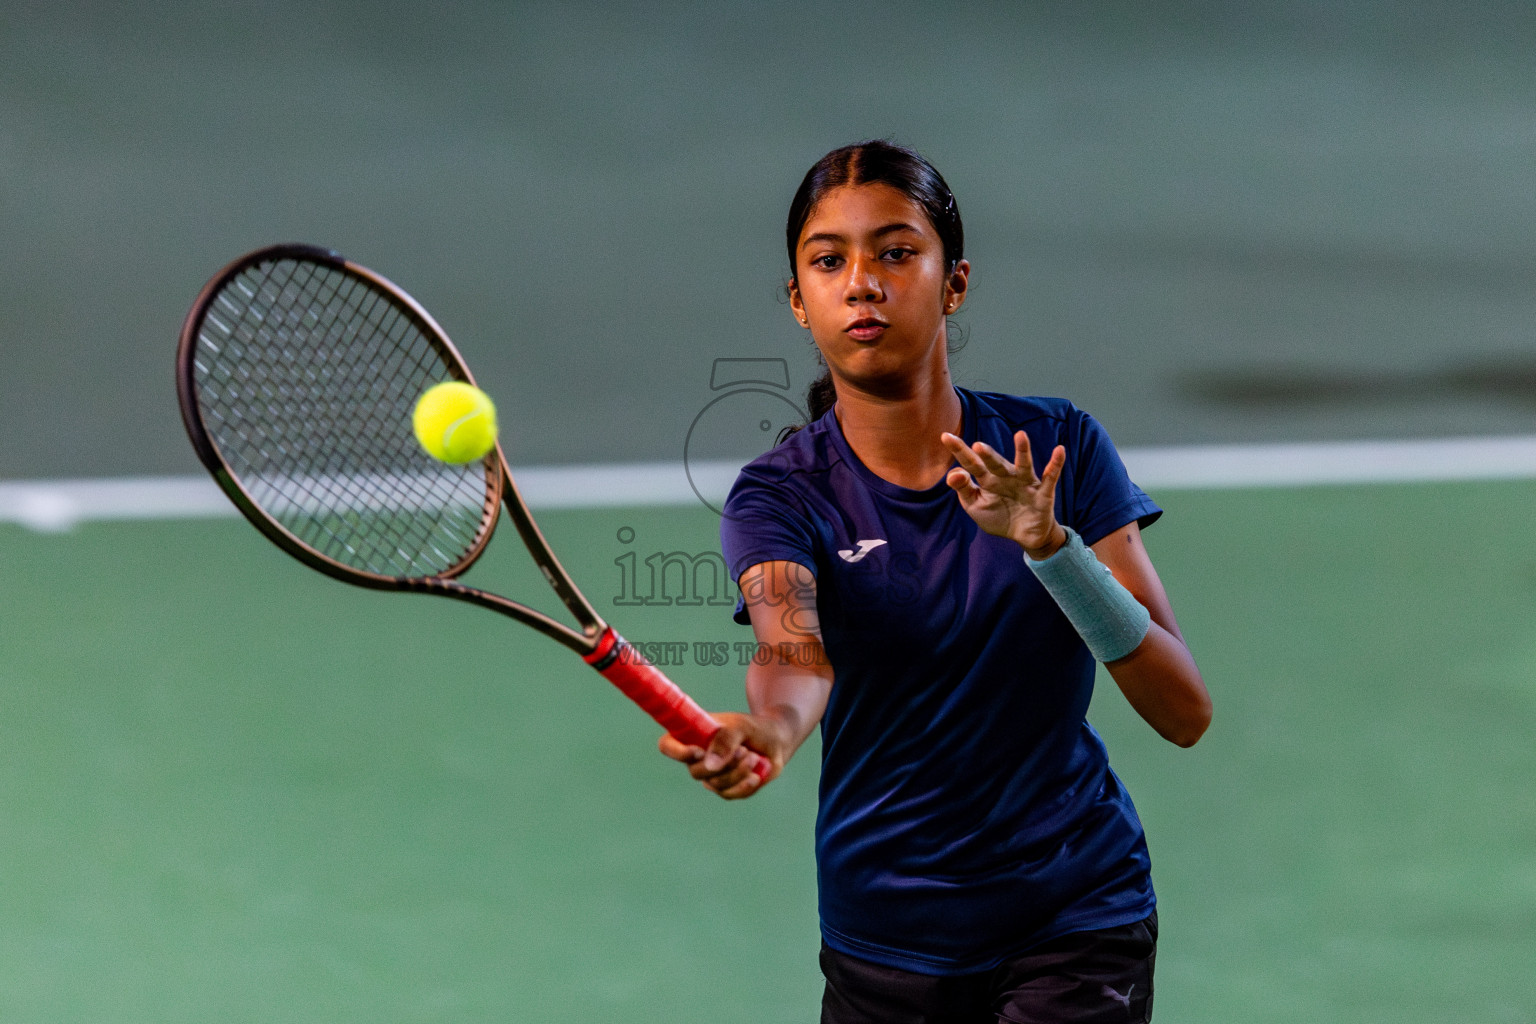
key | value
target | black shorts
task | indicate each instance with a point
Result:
(1080, 978)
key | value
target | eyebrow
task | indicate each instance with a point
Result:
(889, 229)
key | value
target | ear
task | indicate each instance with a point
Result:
(796, 303)
(955, 287)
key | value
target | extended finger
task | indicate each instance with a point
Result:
(952, 442)
(1053, 468)
(963, 454)
(1022, 456)
(995, 463)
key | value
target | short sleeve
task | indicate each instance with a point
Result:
(763, 522)
(1102, 498)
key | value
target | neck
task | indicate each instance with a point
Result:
(896, 434)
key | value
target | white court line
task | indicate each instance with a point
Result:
(1200, 467)
(55, 505)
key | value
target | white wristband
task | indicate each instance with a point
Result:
(1106, 615)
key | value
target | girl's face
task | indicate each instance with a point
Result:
(873, 287)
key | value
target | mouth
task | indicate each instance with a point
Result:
(866, 328)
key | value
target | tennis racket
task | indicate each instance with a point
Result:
(298, 371)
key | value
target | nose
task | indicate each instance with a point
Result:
(863, 284)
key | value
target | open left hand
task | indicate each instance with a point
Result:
(1006, 498)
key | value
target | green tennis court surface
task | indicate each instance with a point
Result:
(233, 790)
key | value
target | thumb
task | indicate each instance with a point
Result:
(960, 481)
(724, 747)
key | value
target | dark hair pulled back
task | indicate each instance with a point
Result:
(875, 162)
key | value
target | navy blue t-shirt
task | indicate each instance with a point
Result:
(967, 809)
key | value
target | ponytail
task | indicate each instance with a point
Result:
(819, 398)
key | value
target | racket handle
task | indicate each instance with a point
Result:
(621, 664)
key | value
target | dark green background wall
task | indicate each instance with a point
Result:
(1202, 221)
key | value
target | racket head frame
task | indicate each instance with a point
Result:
(500, 492)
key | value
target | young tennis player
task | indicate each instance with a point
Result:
(934, 572)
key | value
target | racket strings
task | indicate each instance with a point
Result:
(382, 331)
(306, 378)
(335, 487)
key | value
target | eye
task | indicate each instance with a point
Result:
(828, 262)
(896, 254)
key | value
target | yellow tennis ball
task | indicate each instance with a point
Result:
(455, 422)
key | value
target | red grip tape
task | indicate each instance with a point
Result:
(658, 696)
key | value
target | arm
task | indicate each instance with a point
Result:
(1159, 676)
(787, 695)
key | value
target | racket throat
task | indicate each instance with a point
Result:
(610, 647)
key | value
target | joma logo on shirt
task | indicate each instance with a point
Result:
(865, 547)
